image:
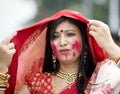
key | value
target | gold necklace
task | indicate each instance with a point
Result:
(68, 77)
(54, 85)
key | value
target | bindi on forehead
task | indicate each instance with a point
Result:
(61, 30)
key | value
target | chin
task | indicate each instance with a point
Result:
(66, 60)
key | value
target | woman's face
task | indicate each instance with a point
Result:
(66, 42)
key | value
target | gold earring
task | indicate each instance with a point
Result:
(85, 56)
(54, 61)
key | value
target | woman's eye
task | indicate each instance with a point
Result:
(70, 34)
(55, 37)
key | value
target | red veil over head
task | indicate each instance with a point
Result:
(30, 47)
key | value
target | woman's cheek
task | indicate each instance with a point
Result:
(54, 48)
(77, 46)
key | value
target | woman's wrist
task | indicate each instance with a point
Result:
(3, 67)
(114, 52)
(116, 59)
(4, 81)
(4, 77)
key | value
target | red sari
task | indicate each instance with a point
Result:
(30, 46)
(41, 83)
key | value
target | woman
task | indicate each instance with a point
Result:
(76, 53)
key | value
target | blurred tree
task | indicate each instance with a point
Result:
(48, 7)
(101, 10)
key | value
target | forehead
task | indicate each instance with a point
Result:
(66, 25)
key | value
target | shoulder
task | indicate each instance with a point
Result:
(106, 77)
(37, 82)
(37, 76)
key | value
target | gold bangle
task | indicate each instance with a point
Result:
(116, 59)
(4, 80)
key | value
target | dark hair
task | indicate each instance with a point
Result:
(86, 65)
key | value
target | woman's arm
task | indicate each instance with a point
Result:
(7, 51)
(101, 33)
(108, 76)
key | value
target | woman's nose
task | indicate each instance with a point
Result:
(63, 41)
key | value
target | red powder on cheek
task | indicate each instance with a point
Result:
(77, 46)
(54, 49)
(74, 54)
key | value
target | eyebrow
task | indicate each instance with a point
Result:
(65, 31)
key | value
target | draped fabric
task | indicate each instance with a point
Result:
(41, 83)
(30, 46)
(103, 80)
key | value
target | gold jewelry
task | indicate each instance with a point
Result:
(4, 81)
(54, 85)
(85, 55)
(54, 61)
(68, 77)
(116, 59)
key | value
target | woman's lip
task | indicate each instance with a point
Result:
(64, 50)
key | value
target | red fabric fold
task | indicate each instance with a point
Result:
(73, 90)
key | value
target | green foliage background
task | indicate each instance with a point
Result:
(46, 8)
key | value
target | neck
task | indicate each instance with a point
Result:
(69, 67)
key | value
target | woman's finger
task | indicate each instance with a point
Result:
(12, 51)
(95, 23)
(92, 33)
(10, 46)
(93, 28)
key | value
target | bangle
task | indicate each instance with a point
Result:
(4, 81)
(116, 59)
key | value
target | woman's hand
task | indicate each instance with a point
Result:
(7, 51)
(101, 33)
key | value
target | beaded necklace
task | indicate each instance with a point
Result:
(68, 77)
